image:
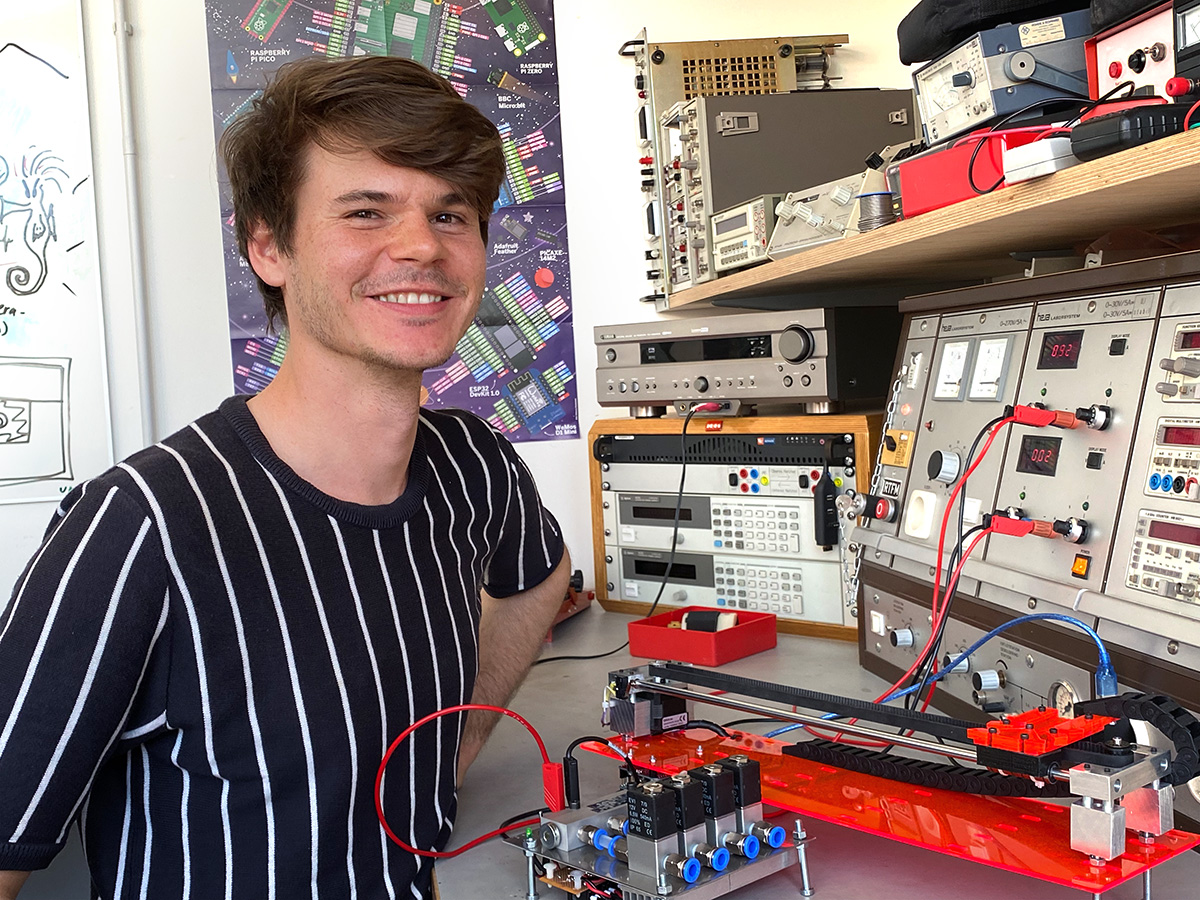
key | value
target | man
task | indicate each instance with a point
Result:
(209, 654)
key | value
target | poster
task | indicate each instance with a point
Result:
(515, 366)
(55, 426)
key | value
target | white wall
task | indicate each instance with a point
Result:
(189, 338)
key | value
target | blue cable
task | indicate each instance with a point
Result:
(1106, 674)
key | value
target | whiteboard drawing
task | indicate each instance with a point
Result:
(55, 424)
(34, 419)
(32, 182)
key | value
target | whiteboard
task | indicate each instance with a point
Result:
(55, 423)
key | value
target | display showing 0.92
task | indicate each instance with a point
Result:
(1060, 350)
(1039, 454)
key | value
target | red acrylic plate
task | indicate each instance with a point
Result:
(1030, 837)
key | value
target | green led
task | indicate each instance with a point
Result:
(1108, 392)
(1022, 495)
(1043, 392)
(1085, 506)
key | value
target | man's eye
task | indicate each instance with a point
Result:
(449, 218)
(364, 214)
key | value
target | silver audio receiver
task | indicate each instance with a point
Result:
(817, 358)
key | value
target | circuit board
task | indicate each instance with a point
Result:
(265, 17)
(516, 24)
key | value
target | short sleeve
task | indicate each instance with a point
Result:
(76, 641)
(530, 544)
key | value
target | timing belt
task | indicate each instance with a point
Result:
(924, 773)
(938, 726)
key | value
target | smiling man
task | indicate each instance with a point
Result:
(208, 656)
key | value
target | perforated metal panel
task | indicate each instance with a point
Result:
(716, 76)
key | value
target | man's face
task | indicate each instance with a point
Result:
(387, 263)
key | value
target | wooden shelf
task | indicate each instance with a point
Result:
(1153, 186)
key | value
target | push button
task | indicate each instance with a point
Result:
(1095, 459)
(1079, 568)
(1116, 347)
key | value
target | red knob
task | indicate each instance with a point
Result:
(646, 160)
(1114, 69)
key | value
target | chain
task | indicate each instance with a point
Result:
(854, 559)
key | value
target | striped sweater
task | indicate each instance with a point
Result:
(207, 657)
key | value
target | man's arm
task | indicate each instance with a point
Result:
(10, 884)
(511, 631)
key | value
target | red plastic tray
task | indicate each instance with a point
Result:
(655, 639)
(1029, 837)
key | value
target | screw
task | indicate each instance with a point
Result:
(802, 855)
(1029, 660)
(875, 599)
(1032, 604)
(1173, 647)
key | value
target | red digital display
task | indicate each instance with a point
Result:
(1175, 533)
(1180, 435)
(1039, 455)
(1189, 340)
(1060, 350)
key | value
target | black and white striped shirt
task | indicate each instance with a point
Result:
(207, 657)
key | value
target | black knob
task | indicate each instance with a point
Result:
(701, 384)
(796, 343)
(657, 57)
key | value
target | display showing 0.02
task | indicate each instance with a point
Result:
(1039, 455)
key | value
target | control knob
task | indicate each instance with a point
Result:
(701, 384)
(961, 669)
(987, 680)
(901, 637)
(1187, 365)
(1167, 389)
(796, 343)
(944, 466)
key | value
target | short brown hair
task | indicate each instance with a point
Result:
(392, 107)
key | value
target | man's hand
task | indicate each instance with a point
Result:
(10, 884)
(511, 631)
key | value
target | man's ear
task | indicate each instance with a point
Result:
(265, 257)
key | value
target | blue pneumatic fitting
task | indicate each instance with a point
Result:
(601, 839)
(720, 859)
(691, 870)
(775, 837)
(750, 847)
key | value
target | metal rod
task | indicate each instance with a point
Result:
(530, 844)
(1146, 884)
(787, 716)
